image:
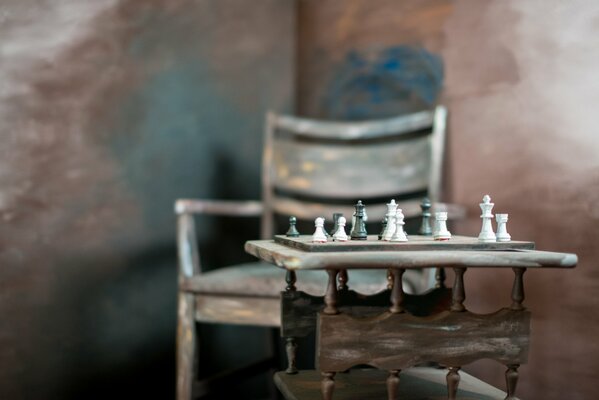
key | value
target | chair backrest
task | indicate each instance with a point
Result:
(313, 168)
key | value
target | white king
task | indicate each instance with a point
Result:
(486, 233)
(391, 214)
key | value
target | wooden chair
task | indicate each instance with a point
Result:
(310, 168)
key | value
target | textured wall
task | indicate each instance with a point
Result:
(109, 111)
(519, 81)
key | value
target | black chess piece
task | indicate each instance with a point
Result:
(292, 231)
(425, 227)
(384, 227)
(358, 231)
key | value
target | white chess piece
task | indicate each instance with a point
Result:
(486, 232)
(390, 228)
(399, 235)
(340, 234)
(319, 235)
(440, 231)
(502, 235)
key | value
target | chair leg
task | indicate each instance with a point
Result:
(186, 346)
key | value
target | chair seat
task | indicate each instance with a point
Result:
(265, 280)
(370, 384)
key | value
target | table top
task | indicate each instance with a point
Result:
(421, 254)
(415, 242)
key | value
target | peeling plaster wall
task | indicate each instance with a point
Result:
(109, 111)
(520, 82)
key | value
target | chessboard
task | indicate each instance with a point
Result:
(415, 242)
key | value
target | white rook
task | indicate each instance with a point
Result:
(502, 235)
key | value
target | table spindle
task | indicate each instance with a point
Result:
(397, 293)
(458, 295)
(330, 297)
(518, 289)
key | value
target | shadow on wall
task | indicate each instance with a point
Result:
(378, 83)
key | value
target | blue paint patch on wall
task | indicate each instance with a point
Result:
(383, 83)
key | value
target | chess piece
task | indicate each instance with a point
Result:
(502, 235)
(441, 232)
(340, 234)
(399, 235)
(358, 231)
(319, 236)
(384, 223)
(335, 222)
(390, 227)
(486, 232)
(425, 227)
(292, 231)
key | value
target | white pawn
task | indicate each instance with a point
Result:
(319, 235)
(399, 235)
(340, 234)
(440, 231)
(390, 227)
(502, 235)
(486, 233)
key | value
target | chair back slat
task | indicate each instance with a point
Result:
(355, 130)
(345, 171)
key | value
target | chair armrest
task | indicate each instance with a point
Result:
(188, 252)
(243, 208)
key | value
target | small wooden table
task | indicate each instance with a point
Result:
(393, 331)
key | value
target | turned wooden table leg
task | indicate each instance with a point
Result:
(327, 385)
(291, 344)
(458, 294)
(343, 279)
(518, 289)
(389, 278)
(397, 294)
(453, 380)
(393, 384)
(291, 351)
(290, 279)
(330, 297)
(439, 278)
(511, 380)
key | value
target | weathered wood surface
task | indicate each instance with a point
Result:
(260, 311)
(248, 208)
(377, 169)
(299, 309)
(399, 341)
(416, 242)
(289, 258)
(358, 130)
(310, 210)
(370, 384)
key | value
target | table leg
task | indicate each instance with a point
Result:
(511, 380)
(453, 380)
(327, 385)
(393, 384)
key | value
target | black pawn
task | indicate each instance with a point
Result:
(292, 231)
(425, 227)
(358, 231)
(384, 227)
